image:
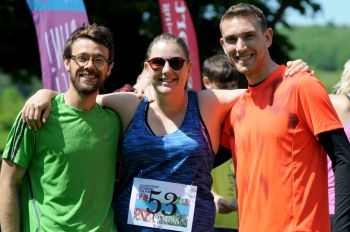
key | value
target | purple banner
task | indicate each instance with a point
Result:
(54, 21)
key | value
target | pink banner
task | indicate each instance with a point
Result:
(176, 19)
(54, 21)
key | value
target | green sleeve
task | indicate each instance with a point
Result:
(20, 144)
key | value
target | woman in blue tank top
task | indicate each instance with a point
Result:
(168, 140)
(181, 156)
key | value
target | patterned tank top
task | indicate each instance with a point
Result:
(184, 156)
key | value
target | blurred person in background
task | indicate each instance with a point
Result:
(341, 102)
(219, 73)
(341, 97)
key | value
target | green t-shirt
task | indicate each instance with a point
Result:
(71, 164)
(224, 185)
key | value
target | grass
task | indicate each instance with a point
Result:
(3, 136)
(329, 79)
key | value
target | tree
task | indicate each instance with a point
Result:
(134, 24)
(11, 102)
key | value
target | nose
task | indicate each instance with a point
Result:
(240, 45)
(166, 67)
(90, 63)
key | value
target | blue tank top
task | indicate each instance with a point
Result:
(184, 156)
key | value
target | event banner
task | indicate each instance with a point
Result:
(54, 21)
(176, 19)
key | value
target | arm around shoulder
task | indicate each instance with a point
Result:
(221, 97)
(37, 108)
(123, 103)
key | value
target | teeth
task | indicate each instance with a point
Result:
(243, 58)
(166, 80)
(85, 75)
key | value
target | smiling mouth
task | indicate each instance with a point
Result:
(86, 75)
(244, 58)
(166, 80)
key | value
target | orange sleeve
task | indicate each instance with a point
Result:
(315, 108)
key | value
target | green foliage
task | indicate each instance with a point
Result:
(328, 78)
(320, 46)
(11, 103)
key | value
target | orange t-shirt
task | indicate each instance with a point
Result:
(281, 168)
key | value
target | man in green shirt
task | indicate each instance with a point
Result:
(61, 178)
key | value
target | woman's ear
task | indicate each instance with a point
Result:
(189, 66)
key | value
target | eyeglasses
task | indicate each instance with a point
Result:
(157, 63)
(99, 61)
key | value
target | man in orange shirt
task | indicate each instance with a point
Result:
(279, 132)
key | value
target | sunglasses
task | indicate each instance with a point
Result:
(157, 63)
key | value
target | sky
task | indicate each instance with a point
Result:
(336, 11)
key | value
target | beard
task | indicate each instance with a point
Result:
(86, 88)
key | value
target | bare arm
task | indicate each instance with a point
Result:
(37, 108)
(214, 106)
(10, 178)
(219, 99)
(341, 105)
(123, 103)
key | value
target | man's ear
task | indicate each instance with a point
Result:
(206, 82)
(268, 36)
(110, 67)
(66, 64)
(222, 41)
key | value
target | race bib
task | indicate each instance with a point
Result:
(161, 204)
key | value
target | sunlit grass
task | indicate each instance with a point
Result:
(329, 79)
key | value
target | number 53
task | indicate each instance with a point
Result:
(172, 197)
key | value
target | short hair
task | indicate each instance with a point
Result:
(99, 34)
(168, 37)
(343, 86)
(219, 69)
(244, 9)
